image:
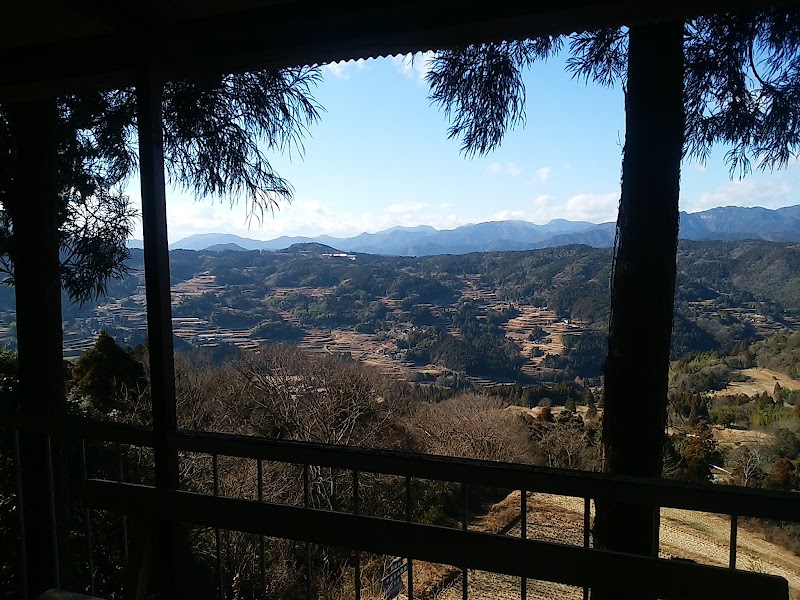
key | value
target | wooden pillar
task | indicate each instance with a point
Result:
(33, 206)
(159, 312)
(643, 285)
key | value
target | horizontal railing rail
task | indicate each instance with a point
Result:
(730, 500)
(571, 565)
(720, 499)
(79, 428)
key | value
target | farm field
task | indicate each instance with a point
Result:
(759, 381)
(701, 537)
(382, 353)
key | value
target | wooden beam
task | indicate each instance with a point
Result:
(571, 565)
(159, 308)
(33, 204)
(286, 34)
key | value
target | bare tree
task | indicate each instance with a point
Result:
(747, 464)
(471, 426)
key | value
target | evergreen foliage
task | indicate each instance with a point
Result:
(105, 371)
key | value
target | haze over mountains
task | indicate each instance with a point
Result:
(724, 223)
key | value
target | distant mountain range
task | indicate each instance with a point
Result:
(724, 223)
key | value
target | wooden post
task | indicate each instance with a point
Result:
(643, 283)
(159, 312)
(33, 206)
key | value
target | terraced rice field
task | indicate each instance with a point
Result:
(383, 354)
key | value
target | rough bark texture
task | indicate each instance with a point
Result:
(33, 206)
(643, 283)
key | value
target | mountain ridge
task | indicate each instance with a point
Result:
(729, 223)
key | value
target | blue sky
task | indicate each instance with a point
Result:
(380, 157)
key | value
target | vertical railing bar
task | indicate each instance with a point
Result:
(262, 558)
(357, 569)
(87, 515)
(307, 504)
(734, 536)
(587, 524)
(523, 527)
(465, 527)
(217, 538)
(20, 504)
(53, 509)
(121, 478)
(656, 530)
(410, 573)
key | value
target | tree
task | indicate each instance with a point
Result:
(747, 465)
(732, 79)
(63, 164)
(105, 371)
(698, 453)
(782, 476)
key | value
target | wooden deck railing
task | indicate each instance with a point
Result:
(586, 567)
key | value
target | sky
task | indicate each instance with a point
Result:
(380, 157)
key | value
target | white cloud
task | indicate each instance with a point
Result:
(596, 208)
(342, 69)
(768, 193)
(414, 66)
(508, 168)
(542, 175)
(406, 207)
(301, 218)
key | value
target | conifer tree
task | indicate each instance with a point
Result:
(732, 79)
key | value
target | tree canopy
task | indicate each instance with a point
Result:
(216, 139)
(741, 87)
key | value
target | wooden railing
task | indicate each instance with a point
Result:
(586, 567)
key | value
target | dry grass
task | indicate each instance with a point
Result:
(759, 381)
(701, 537)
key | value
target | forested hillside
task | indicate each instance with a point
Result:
(529, 315)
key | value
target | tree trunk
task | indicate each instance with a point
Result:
(643, 286)
(33, 207)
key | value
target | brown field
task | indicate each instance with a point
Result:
(701, 537)
(759, 381)
(725, 436)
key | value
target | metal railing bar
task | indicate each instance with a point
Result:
(587, 524)
(465, 527)
(21, 514)
(410, 572)
(121, 478)
(262, 557)
(307, 505)
(87, 515)
(767, 504)
(53, 520)
(523, 534)
(357, 565)
(734, 537)
(656, 535)
(217, 536)
(571, 565)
